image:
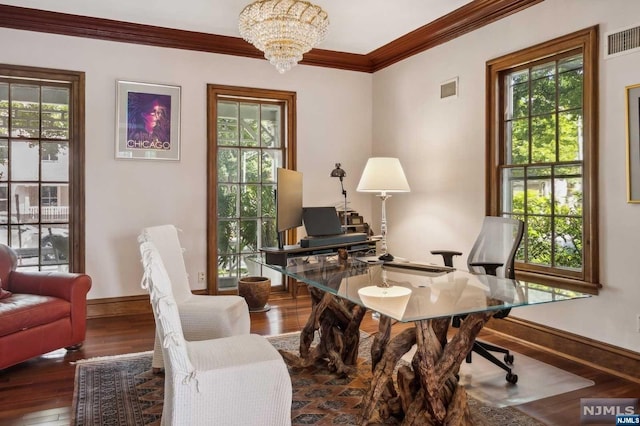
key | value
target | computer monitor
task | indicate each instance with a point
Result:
(288, 201)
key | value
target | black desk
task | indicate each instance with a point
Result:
(279, 256)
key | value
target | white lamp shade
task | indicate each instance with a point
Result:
(383, 174)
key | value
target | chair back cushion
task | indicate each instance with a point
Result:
(165, 239)
(165, 310)
(497, 242)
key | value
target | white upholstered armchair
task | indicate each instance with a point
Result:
(202, 316)
(239, 380)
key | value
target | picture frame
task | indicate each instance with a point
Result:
(633, 143)
(356, 220)
(147, 121)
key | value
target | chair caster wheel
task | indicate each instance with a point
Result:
(512, 378)
(508, 358)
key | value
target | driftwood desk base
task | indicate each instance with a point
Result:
(338, 325)
(337, 322)
(427, 392)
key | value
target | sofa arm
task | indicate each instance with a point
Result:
(68, 286)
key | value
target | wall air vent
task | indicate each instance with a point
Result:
(622, 41)
(449, 89)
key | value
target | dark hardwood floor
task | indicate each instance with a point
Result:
(40, 391)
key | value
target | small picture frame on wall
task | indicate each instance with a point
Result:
(147, 121)
(633, 143)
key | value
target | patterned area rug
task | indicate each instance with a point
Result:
(122, 391)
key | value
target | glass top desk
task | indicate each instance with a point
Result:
(429, 291)
(343, 287)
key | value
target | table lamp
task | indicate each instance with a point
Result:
(383, 175)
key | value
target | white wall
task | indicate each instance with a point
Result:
(123, 196)
(441, 144)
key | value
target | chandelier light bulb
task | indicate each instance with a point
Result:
(283, 29)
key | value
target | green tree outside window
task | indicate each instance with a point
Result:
(542, 178)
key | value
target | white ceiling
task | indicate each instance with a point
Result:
(356, 26)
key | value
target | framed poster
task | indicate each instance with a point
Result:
(147, 121)
(633, 143)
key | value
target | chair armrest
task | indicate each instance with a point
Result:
(67, 286)
(490, 268)
(447, 255)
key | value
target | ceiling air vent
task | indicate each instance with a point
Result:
(622, 42)
(449, 88)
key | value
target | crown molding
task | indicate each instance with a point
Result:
(461, 21)
(466, 19)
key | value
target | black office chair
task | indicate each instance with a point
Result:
(493, 253)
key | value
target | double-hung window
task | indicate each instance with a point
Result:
(251, 136)
(542, 148)
(42, 167)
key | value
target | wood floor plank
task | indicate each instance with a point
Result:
(40, 391)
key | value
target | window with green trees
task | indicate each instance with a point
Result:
(543, 158)
(248, 146)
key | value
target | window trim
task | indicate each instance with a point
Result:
(587, 41)
(214, 92)
(76, 80)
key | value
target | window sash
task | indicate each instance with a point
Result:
(250, 149)
(540, 182)
(271, 142)
(42, 125)
(498, 158)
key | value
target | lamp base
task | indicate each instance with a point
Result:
(387, 257)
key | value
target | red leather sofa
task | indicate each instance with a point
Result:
(45, 311)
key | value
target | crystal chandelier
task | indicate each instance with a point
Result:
(283, 29)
